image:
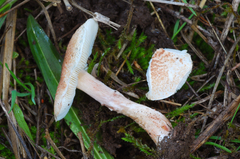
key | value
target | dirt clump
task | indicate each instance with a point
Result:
(178, 145)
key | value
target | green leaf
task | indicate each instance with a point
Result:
(4, 9)
(16, 94)
(49, 63)
(174, 35)
(1, 2)
(176, 27)
(21, 121)
(32, 92)
(190, 8)
(17, 80)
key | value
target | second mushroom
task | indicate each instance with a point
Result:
(74, 76)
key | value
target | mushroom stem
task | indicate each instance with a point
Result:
(155, 123)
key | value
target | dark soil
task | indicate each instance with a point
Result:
(178, 146)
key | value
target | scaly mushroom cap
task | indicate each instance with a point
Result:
(78, 51)
(167, 72)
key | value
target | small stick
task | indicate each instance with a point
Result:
(197, 52)
(97, 16)
(20, 4)
(40, 148)
(126, 43)
(219, 77)
(216, 35)
(47, 136)
(50, 24)
(73, 29)
(199, 89)
(7, 137)
(159, 19)
(230, 17)
(47, 7)
(175, 3)
(15, 129)
(235, 67)
(123, 63)
(68, 5)
(215, 125)
(207, 98)
(79, 134)
(170, 102)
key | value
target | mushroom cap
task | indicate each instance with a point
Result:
(78, 51)
(167, 72)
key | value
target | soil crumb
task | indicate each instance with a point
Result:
(178, 145)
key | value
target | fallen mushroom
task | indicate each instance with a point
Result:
(155, 123)
(167, 72)
(78, 51)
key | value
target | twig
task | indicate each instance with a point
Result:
(47, 136)
(207, 98)
(73, 29)
(49, 24)
(196, 28)
(62, 147)
(198, 53)
(40, 148)
(175, 3)
(15, 129)
(5, 78)
(170, 102)
(235, 67)
(216, 35)
(219, 77)
(97, 16)
(79, 134)
(199, 89)
(7, 137)
(123, 63)
(15, 7)
(126, 43)
(221, 71)
(159, 19)
(47, 7)
(229, 20)
(68, 5)
(215, 125)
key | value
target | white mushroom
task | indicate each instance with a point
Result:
(78, 51)
(167, 72)
(73, 75)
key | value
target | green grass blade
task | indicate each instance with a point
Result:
(16, 94)
(45, 54)
(190, 8)
(32, 92)
(17, 80)
(218, 146)
(49, 63)
(181, 27)
(21, 121)
(1, 2)
(179, 111)
(176, 27)
(235, 114)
